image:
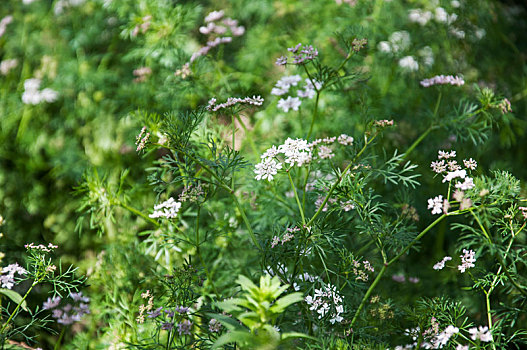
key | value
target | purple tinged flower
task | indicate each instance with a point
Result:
(155, 313)
(79, 297)
(399, 278)
(182, 309)
(184, 327)
(51, 303)
(295, 48)
(281, 61)
(169, 313)
(167, 326)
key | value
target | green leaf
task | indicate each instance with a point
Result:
(17, 298)
(280, 305)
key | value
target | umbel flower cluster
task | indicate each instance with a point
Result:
(327, 301)
(296, 152)
(168, 209)
(7, 275)
(454, 174)
(302, 54)
(70, 312)
(283, 87)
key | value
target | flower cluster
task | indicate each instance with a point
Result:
(41, 247)
(401, 278)
(218, 33)
(231, 101)
(283, 86)
(441, 264)
(168, 209)
(142, 74)
(481, 333)
(214, 326)
(443, 80)
(452, 170)
(288, 235)
(70, 312)
(3, 24)
(442, 338)
(191, 193)
(142, 139)
(148, 307)
(33, 96)
(327, 300)
(7, 275)
(409, 63)
(398, 41)
(7, 65)
(424, 16)
(302, 54)
(143, 26)
(467, 260)
(298, 152)
(505, 106)
(361, 272)
(166, 316)
(226, 25)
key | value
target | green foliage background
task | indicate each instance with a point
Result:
(88, 54)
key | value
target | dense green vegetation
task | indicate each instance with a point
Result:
(196, 178)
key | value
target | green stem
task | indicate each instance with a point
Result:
(330, 192)
(58, 344)
(367, 295)
(200, 257)
(138, 213)
(246, 221)
(18, 306)
(314, 116)
(489, 317)
(300, 209)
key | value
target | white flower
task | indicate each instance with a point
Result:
(467, 260)
(446, 155)
(467, 185)
(409, 63)
(345, 140)
(266, 169)
(7, 65)
(327, 301)
(419, 16)
(462, 347)
(384, 46)
(436, 204)
(49, 95)
(324, 152)
(470, 164)
(442, 338)
(427, 54)
(7, 275)
(32, 84)
(482, 334)
(270, 153)
(455, 174)
(168, 209)
(438, 167)
(441, 15)
(400, 40)
(214, 16)
(440, 265)
(290, 103)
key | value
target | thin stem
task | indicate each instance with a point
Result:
(18, 306)
(314, 116)
(367, 295)
(330, 192)
(247, 223)
(300, 209)
(489, 317)
(138, 213)
(416, 239)
(58, 344)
